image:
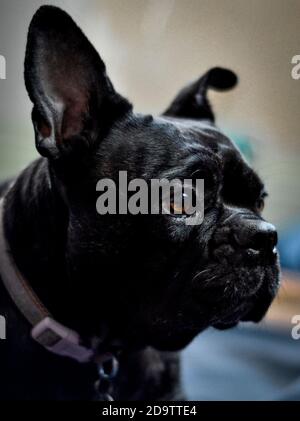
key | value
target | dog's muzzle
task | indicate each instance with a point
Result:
(244, 249)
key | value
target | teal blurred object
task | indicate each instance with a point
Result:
(289, 248)
(245, 146)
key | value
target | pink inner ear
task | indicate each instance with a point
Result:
(73, 118)
(68, 84)
(43, 128)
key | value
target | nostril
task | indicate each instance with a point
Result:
(264, 240)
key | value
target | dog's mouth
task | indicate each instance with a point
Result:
(246, 291)
(222, 297)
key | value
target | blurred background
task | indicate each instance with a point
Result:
(151, 49)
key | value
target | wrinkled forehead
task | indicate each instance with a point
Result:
(175, 132)
(172, 141)
(193, 139)
(203, 133)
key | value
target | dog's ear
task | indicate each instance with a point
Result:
(192, 101)
(74, 102)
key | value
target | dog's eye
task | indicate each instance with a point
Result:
(260, 205)
(180, 208)
(180, 204)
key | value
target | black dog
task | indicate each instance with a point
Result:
(144, 285)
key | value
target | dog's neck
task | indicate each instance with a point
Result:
(36, 223)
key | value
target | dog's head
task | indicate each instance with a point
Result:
(153, 279)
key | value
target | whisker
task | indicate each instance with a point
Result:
(200, 274)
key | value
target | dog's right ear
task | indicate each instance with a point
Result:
(192, 101)
(74, 102)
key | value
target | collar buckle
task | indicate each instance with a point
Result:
(61, 340)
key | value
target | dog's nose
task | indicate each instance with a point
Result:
(257, 235)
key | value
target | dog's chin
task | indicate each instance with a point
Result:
(223, 298)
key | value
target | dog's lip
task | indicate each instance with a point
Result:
(257, 313)
(225, 326)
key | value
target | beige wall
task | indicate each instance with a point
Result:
(153, 47)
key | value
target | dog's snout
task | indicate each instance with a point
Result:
(256, 234)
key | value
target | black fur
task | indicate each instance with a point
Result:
(144, 284)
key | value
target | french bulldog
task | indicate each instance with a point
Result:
(144, 285)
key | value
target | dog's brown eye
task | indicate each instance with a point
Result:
(180, 203)
(175, 208)
(180, 207)
(260, 204)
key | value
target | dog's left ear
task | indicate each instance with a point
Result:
(74, 102)
(192, 101)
